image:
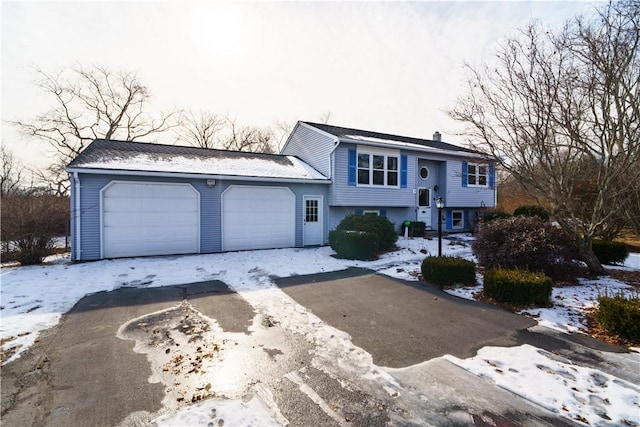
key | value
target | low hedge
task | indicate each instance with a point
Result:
(381, 226)
(610, 252)
(621, 316)
(448, 270)
(518, 287)
(348, 244)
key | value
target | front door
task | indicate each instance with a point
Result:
(424, 206)
(312, 221)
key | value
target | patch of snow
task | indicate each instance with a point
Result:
(581, 394)
(249, 166)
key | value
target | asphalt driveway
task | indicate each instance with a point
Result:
(403, 323)
(82, 373)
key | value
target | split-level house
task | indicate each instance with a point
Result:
(137, 199)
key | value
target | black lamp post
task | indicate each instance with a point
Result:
(439, 205)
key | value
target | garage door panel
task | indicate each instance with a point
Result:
(149, 219)
(258, 218)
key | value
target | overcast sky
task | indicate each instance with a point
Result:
(388, 67)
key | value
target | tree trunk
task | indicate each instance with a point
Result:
(589, 257)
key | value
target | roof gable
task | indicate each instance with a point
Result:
(113, 155)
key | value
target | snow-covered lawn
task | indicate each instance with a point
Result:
(33, 299)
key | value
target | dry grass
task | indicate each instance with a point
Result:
(631, 239)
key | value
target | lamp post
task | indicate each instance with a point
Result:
(439, 205)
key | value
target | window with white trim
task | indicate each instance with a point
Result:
(477, 175)
(457, 219)
(371, 212)
(378, 169)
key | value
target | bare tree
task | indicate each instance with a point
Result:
(248, 138)
(11, 173)
(201, 130)
(557, 105)
(207, 130)
(90, 104)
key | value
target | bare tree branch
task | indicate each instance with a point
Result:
(560, 112)
(91, 103)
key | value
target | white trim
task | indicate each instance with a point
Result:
(420, 173)
(110, 183)
(77, 189)
(320, 199)
(380, 153)
(414, 147)
(195, 176)
(370, 212)
(477, 175)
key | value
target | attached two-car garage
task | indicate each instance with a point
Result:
(151, 218)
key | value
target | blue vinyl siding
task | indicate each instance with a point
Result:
(210, 209)
(396, 215)
(312, 146)
(344, 194)
(460, 196)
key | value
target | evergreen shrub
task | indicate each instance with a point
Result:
(448, 270)
(350, 244)
(610, 252)
(518, 287)
(380, 226)
(621, 316)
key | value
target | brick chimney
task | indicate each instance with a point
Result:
(437, 136)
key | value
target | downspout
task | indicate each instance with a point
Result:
(76, 183)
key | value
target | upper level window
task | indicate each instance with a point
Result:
(477, 174)
(378, 169)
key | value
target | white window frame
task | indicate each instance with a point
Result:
(371, 212)
(453, 220)
(477, 174)
(386, 155)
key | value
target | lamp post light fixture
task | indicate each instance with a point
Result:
(439, 205)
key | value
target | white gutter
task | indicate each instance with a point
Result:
(76, 183)
(196, 176)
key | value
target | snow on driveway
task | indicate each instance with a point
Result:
(33, 299)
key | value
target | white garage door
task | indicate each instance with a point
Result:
(149, 219)
(258, 218)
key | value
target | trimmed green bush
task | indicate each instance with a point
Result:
(518, 287)
(493, 215)
(349, 244)
(532, 210)
(621, 316)
(610, 252)
(448, 270)
(380, 226)
(416, 228)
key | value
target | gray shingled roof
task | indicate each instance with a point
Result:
(344, 133)
(104, 154)
(109, 149)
